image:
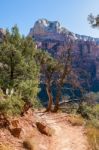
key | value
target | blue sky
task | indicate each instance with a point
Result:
(72, 14)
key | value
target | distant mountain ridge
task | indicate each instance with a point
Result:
(50, 36)
(44, 27)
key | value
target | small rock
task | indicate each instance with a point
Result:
(15, 132)
(44, 129)
(15, 123)
(14, 128)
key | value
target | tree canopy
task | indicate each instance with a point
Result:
(18, 68)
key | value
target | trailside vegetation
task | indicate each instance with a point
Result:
(19, 72)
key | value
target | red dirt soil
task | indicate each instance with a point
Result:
(66, 136)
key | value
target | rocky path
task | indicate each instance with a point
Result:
(66, 137)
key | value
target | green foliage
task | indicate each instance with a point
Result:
(89, 108)
(48, 64)
(96, 111)
(85, 110)
(11, 105)
(70, 108)
(90, 112)
(18, 68)
(27, 89)
(1, 94)
(91, 98)
(37, 104)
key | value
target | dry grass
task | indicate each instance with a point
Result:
(31, 144)
(75, 120)
(93, 137)
(92, 132)
(5, 147)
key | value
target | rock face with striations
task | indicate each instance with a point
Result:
(50, 36)
(45, 30)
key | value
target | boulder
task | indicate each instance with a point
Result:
(15, 132)
(14, 128)
(44, 129)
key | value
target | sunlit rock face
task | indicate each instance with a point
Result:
(45, 30)
(50, 36)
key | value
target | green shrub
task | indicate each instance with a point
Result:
(28, 90)
(1, 95)
(96, 111)
(36, 103)
(12, 105)
(88, 111)
(70, 108)
(19, 68)
(91, 98)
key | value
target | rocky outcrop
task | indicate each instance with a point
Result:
(49, 30)
(44, 29)
(50, 36)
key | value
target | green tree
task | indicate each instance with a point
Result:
(18, 68)
(48, 69)
(55, 71)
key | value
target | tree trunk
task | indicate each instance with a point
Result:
(57, 99)
(50, 97)
(66, 71)
(12, 69)
(11, 74)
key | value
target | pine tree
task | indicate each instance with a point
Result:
(18, 68)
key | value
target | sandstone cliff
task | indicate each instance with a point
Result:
(50, 36)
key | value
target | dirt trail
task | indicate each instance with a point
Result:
(66, 137)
